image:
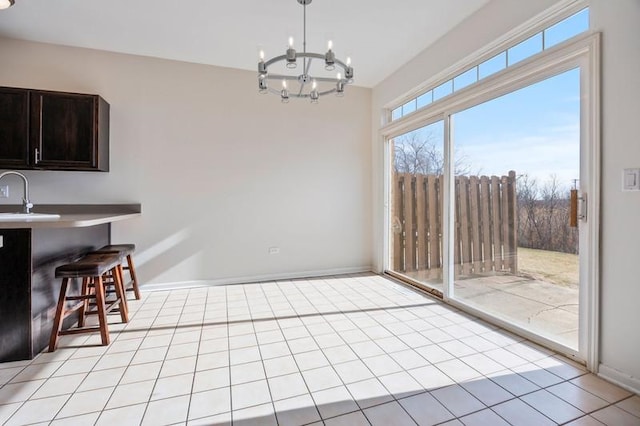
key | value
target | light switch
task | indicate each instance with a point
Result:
(631, 180)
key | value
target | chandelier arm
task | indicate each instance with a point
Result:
(275, 59)
(307, 96)
(304, 55)
(326, 92)
(295, 78)
(306, 70)
(281, 77)
(274, 91)
(342, 64)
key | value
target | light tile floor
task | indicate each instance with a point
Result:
(349, 350)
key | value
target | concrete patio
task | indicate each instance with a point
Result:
(548, 309)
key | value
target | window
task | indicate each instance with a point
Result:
(549, 37)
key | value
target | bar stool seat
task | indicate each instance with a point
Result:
(125, 250)
(91, 269)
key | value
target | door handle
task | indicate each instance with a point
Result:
(577, 208)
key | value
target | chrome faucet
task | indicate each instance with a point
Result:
(26, 204)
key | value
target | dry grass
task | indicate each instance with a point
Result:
(550, 266)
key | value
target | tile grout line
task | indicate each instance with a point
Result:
(146, 409)
(69, 396)
(195, 372)
(377, 316)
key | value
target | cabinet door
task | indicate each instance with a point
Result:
(63, 131)
(14, 128)
(15, 303)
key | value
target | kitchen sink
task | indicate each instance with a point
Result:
(28, 216)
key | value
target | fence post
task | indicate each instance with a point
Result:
(485, 215)
(513, 220)
(409, 224)
(397, 222)
(421, 223)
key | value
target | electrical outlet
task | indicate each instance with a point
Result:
(4, 191)
(274, 250)
(631, 180)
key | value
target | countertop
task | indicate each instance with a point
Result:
(72, 215)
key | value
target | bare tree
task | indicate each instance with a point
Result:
(543, 216)
(422, 154)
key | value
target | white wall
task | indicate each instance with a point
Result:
(620, 224)
(620, 233)
(222, 172)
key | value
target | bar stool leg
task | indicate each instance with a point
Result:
(120, 293)
(134, 278)
(57, 322)
(85, 304)
(102, 314)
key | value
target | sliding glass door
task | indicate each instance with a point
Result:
(492, 200)
(416, 192)
(516, 253)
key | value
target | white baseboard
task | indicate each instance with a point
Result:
(254, 279)
(630, 383)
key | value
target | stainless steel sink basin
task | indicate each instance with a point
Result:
(28, 216)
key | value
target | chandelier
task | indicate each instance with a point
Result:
(305, 84)
(5, 4)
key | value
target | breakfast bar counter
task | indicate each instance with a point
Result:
(30, 251)
(69, 216)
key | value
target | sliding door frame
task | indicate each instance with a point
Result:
(581, 52)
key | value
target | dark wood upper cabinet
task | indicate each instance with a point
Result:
(14, 128)
(60, 131)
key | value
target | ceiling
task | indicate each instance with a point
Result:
(379, 35)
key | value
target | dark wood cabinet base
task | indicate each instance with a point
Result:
(28, 287)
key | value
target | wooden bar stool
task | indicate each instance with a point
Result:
(91, 269)
(125, 250)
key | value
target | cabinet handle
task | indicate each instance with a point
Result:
(37, 154)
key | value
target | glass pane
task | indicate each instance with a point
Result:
(564, 30)
(493, 65)
(396, 113)
(416, 205)
(525, 49)
(443, 90)
(409, 107)
(425, 99)
(465, 79)
(516, 159)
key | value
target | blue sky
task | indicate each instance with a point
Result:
(535, 130)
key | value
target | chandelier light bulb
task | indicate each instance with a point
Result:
(284, 84)
(339, 77)
(348, 61)
(291, 55)
(329, 45)
(261, 55)
(314, 92)
(340, 89)
(330, 59)
(262, 85)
